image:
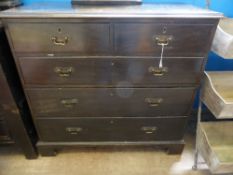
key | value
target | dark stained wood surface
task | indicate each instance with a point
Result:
(16, 127)
(13, 106)
(99, 72)
(51, 38)
(111, 129)
(122, 39)
(110, 102)
(65, 10)
(140, 39)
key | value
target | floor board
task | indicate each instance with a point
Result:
(99, 161)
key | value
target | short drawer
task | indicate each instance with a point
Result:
(54, 38)
(111, 129)
(146, 39)
(110, 102)
(127, 72)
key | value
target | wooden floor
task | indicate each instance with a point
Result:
(111, 161)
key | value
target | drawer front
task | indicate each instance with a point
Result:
(110, 102)
(146, 39)
(52, 38)
(110, 71)
(111, 129)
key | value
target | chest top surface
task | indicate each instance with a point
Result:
(66, 10)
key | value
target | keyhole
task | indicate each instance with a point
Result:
(59, 30)
(164, 29)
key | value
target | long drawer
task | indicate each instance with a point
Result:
(111, 129)
(110, 102)
(52, 38)
(146, 39)
(126, 72)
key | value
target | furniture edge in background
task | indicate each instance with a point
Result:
(13, 103)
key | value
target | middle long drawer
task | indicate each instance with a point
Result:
(124, 72)
(110, 102)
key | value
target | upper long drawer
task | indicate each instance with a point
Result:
(121, 72)
(52, 38)
(147, 39)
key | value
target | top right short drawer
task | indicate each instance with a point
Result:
(146, 39)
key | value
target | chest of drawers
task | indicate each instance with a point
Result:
(110, 75)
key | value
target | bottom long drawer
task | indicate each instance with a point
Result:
(111, 129)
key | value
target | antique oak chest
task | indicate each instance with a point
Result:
(123, 75)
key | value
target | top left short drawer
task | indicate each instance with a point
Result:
(60, 38)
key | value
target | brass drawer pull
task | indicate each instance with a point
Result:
(149, 129)
(153, 102)
(162, 39)
(156, 71)
(73, 130)
(69, 103)
(64, 71)
(59, 42)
